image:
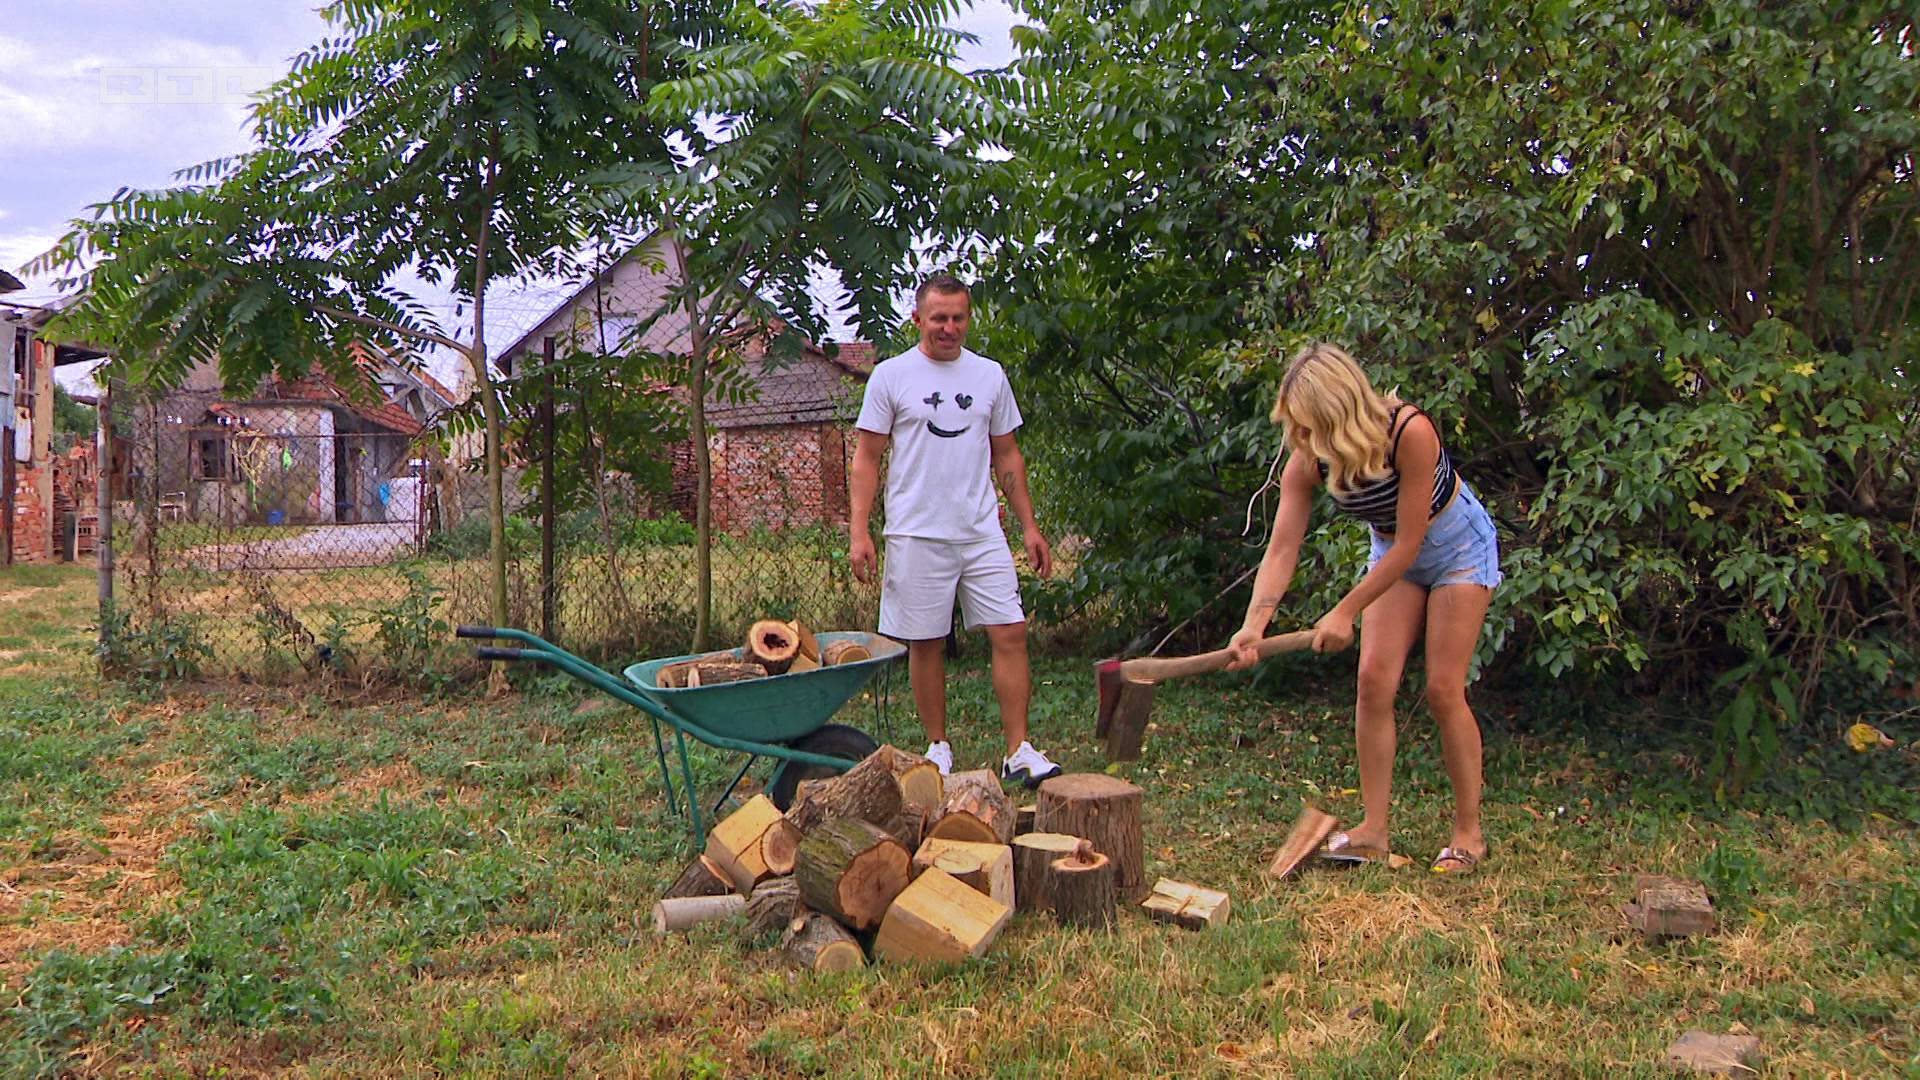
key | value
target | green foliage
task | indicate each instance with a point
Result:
(1896, 918)
(411, 631)
(1652, 276)
(157, 645)
(72, 421)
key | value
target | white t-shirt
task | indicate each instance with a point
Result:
(940, 414)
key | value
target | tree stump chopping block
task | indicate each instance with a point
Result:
(867, 792)
(1080, 887)
(816, 943)
(852, 870)
(975, 809)
(1032, 853)
(1106, 811)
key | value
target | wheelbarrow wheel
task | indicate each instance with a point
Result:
(835, 740)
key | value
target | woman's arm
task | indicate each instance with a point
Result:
(1297, 481)
(1418, 454)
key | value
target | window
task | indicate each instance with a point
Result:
(212, 458)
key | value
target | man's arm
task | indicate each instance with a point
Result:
(1010, 470)
(865, 483)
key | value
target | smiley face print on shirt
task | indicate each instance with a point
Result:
(963, 401)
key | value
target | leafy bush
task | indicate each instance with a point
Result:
(163, 645)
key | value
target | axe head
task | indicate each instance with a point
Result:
(1106, 680)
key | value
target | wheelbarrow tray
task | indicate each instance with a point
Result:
(775, 709)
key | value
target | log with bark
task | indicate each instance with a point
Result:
(843, 652)
(975, 809)
(713, 668)
(779, 846)
(774, 904)
(702, 877)
(1105, 810)
(986, 867)
(1032, 853)
(734, 844)
(1080, 888)
(1186, 905)
(851, 870)
(773, 644)
(939, 919)
(920, 781)
(815, 942)
(867, 792)
(682, 913)
(1023, 820)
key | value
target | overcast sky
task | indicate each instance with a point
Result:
(96, 95)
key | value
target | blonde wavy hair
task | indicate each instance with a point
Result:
(1327, 408)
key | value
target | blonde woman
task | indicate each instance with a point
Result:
(1433, 569)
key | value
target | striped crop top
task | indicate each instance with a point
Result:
(1377, 502)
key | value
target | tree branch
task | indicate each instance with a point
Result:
(426, 336)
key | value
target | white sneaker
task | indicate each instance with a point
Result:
(1029, 766)
(941, 754)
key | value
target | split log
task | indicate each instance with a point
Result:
(773, 644)
(975, 809)
(734, 844)
(1081, 888)
(682, 913)
(702, 877)
(939, 919)
(920, 781)
(867, 792)
(775, 903)
(809, 646)
(1127, 728)
(985, 867)
(851, 870)
(1707, 1054)
(1187, 905)
(1032, 854)
(1106, 811)
(815, 942)
(1309, 830)
(1023, 820)
(1667, 907)
(843, 652)
(779, 846)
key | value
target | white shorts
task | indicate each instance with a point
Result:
(921, 577)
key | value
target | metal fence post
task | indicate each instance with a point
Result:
(548, 586)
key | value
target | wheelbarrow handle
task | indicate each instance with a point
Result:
(496, 652)
(471, 631)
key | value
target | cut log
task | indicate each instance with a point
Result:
(734, 844)
(702, 877)
(802, 662)
(817, 943)
(1032, 854)
(808, 645)
(717, 672)
(779, 846)
(920, 781)
(674, 676)
(1127, 729)
(773, 644)
(775, 903)
(1023, 820)
(843, 652)
(683, 913)
(986, 867)
(867, 792)
(1667, 907)
(909, 827)
(938, 919)
(1080, 887)
(975, 809)
(1309, 830)
(1105, 810)
(1186, 905)
(852, 870)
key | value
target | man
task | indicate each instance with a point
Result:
(948, 416)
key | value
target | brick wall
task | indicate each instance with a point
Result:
(32, 527)
(779, 476)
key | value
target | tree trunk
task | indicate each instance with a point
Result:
(975, 809)
(817, 943)
(1081, 887)
(1106, 811)
(1032, 853)
(852, 871)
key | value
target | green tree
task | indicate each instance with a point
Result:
(826, 136)
(445, 140)
(72, 420)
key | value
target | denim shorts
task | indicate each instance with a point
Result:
(1460, 547)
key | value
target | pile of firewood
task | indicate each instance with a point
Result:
(772, 648)
(892, 860)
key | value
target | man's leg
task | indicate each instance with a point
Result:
(927, 671)
(1012, 680)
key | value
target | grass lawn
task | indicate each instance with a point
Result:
(233, 880)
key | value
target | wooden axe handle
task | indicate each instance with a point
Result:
(1153, 669)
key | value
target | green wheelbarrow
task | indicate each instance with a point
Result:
(784, 717)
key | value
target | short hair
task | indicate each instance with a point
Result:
(942, 282)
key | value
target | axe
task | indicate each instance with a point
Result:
(1126, 687)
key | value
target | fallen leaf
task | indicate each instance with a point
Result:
(1864, 737)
